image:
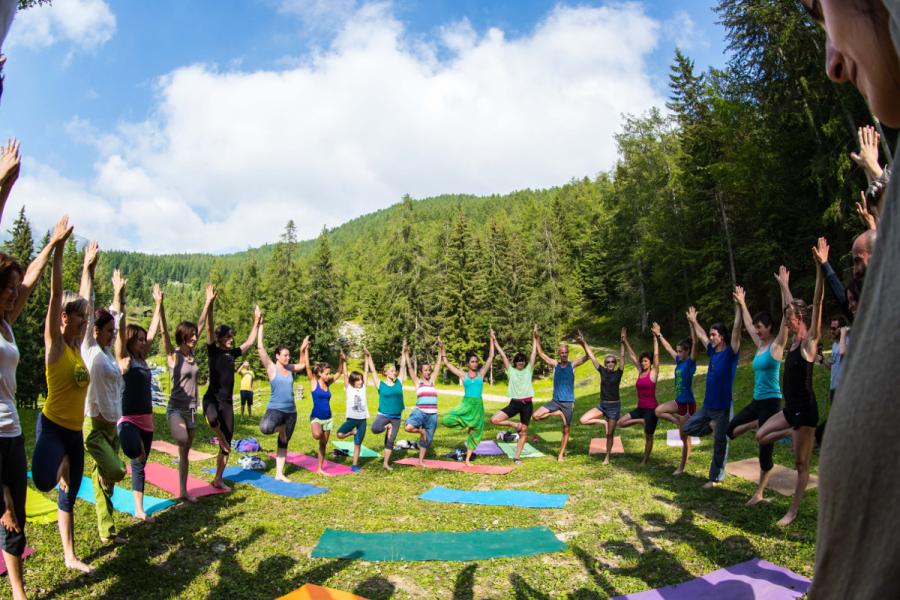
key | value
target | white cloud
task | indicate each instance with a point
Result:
(682, 30)
(227, 157)
(84, 24)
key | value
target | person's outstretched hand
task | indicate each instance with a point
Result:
(868, 218)
(820, 251)
(867, 157)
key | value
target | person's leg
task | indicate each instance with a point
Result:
(358, 440)
(211, 408)
(668, 411)
(524, 423)
(146, 443)
(565, 436)
(73, 443)
(688, 410)
(775, 428)
(720, 419)
(323, 447)
(102, 444)
(429, 426)
(271, 422)
(133, 447)
(48, 456)
(13, 480)
(416, 424)
(593, 416)
(226, 425)
(744, 421)
(315, 429)
(250, 404)
(650, 423)
(286, 432)
(392, 428)
(380, 424)
(698, 423)
(475, 429)
(804, 437)
(767, 409)
(541, 414)
(183, 436)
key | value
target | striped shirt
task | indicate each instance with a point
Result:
(426, 397)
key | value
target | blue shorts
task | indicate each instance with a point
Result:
(426, 421)
(351, 424)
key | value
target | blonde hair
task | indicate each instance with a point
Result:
(72, 303)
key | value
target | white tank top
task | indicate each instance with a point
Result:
(9, 360)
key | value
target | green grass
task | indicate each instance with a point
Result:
(628, 528)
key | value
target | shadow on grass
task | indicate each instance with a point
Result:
(464, 587)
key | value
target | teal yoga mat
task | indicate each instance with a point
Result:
(122, 500)
(364, 452)
(436, 545)
(528, 451)
(519, 498)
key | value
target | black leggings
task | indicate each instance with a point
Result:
(759, 410)
(220, 414)
(379, 425)
(13, 475)
(134, 441)
(275, 418)
(54, 443)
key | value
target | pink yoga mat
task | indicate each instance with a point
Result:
(311, 463)
(28, 552)
(673, 438)
(172, 450)
(598, 446)
(166, 478)
(456, 466)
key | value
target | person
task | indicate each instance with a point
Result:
(563, 402)
(320, 419)
(679, 410)
(102, 409)
(424, 417)
(469, 413)
(859, 476)
(217, 401)
(281, 412)
(15, 290)
(58, 456)
(520, 392)
(645, 414)
(717, 402)
(357, 414)
(766, 377)
(836, 326)
(247, 388)
(861, 252)
(801, 413)
(390, 402)
(135, 426)
(609, 409)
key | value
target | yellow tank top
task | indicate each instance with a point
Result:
(247, 381)
(67, 382)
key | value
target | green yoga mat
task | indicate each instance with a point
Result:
(436, 545)
(364, 452)
(39, 509)
(528, 451)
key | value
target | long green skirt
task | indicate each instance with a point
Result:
(469, 415)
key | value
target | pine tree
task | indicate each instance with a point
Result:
(282, 293)
(323, 305)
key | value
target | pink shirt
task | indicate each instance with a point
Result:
(646, 391)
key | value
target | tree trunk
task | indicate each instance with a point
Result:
(727, 238)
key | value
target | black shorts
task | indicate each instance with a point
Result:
(649, 417)
(802, 416)
(246, 398)
(517, 407)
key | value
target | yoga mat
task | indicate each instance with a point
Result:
(518, 498)
(122, 499)
(755, 578)
(673, 438)
(488, 448)
(311, 591)
(528, 451)
(598, 446)
(551, 436)
(172, 450)
(311, 463)
(166, 478)
(364, 452)
(38, 508)
(28, 552)
(452, 465)
(436, 545)
(782, 480)
(270, 484)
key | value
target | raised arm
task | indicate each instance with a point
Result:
(437, 365)
(91, 254)
(52, 333)
(301, 365)
(501, 353)
(783, 277)
(631, 355)
(740, 299)
(251, 339)
(309, 370)
(490, 358)
(587, 349)
(694, 345)
(34, 270)
(9, 170)
(654, 371)
(118, 306)
(657, 334)
(695, 327)
(370, 366)
(736, 330)
(456, 371)
(405, 363)
(815, 331)
(842, 344)
(622, 335)
(342, 365)
(267, 363)
(206, 315)
(533, 356)
(537, 340)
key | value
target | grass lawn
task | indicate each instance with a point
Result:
(627, 528)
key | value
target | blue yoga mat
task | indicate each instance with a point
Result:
(496, 497)
(270, 484)
(123, 500)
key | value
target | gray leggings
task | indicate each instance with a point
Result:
(379, 425)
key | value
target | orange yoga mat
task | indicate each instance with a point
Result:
(311, 591)
(598, 446)
(172, 450)
(782, 480)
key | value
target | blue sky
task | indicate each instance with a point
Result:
(140, 113)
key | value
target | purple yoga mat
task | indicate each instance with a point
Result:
(488, 448)
(755, 579)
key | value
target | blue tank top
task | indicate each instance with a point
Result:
(684, 380)
(390, 399)
(472, 388)
(321, 408)
(282, 392)
(766, 375)
(564, 383)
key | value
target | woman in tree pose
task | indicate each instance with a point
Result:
(357, 413)
(424, 417)
(766, 377)
(281, 412)
(801, 413)
(103, 408)
(609, 409)
(15, 289)
(58, 456)
(135, 426)
(320, 420)
(680, 409)
(521, 394)
(469, 414)
(390, 402)
(645, 414)
(218, 405)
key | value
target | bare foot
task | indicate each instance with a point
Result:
(755, 499)
(468, 464)
(141, 515)
(115, 539)
(606, 460)
(224, 448)
(677, 471)
(220, 484)
(77, 565)
(644, 463)
(787, 519)
(561, 458)
(282, 477)
(710, 484)
(388, 467)
(188, 498)
(321, 472)
(421, 463)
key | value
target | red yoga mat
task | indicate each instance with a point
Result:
(450, 465)
(311, 463)
(172, 450)
(28, 552)
(166, 478)
(598, 446)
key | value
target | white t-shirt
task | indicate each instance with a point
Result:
(9, 360)
(357, 407)
(104, 393)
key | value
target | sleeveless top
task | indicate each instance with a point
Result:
(426, 397)
(390, 399)
(684, 380)
(564, 383)
(472, 388)
(184, 383)
(646, 391)
(798, 373)
(282, 392)
(9, 360)
(67, 381)
(321, 399)
(766, 375)
(137, 398)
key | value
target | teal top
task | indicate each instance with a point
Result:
(766, 375)
(472, 388)
(390, 399)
